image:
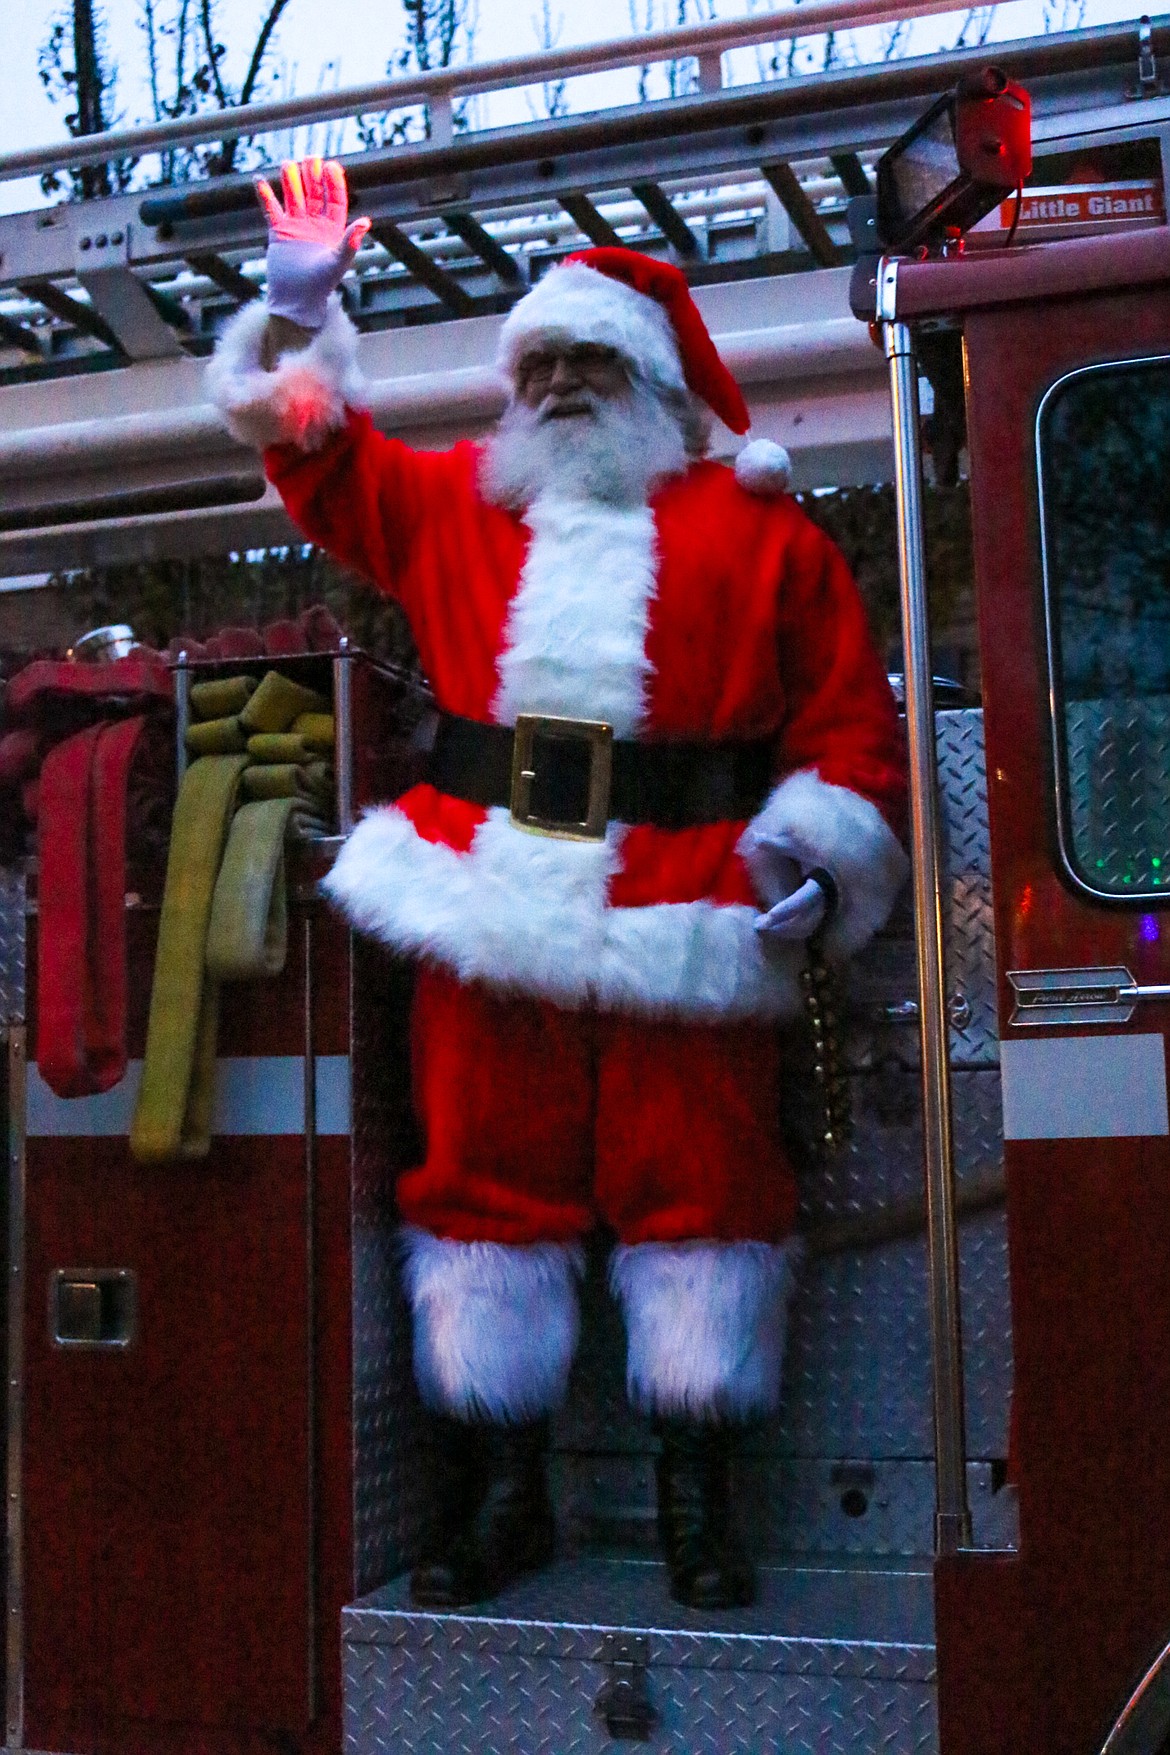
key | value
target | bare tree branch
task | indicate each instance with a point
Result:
(213, 53)
(256, 65)
(150, 31)
(182, 95)
(548, 35)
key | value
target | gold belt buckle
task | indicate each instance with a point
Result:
(594, 732)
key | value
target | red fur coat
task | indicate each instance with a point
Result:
(712, 612)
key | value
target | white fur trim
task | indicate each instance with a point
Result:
(303, 400)
(837, 828)
(495, 1325)
(763, 468)
(575, 639)
(577, 303)
(528, 914)
(705, 1324)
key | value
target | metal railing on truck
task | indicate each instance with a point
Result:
(745, 179)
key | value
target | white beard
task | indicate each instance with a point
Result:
(615, 454)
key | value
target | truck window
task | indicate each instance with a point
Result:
(1103, 454)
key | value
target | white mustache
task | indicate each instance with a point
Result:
(613, 455)
(560, 405)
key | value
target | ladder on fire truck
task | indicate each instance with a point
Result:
(108, 306)
(108, 453)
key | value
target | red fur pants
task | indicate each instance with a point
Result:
(538, 1121)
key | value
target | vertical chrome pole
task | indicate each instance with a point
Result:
(310, 1060)
(952, 1526)
(182, 714)
(343, 735)
(14, 1631)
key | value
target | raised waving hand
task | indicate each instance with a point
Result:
(310, 243)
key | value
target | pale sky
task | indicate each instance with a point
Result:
(348, 42)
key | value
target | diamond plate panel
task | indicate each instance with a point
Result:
(883, 1163)
(869, 1509)
(1118, 760)
(816, 1617)
(962, 779)
(505, 1681)
(12, 942)
(389, 1431)
(814, 1506)
(844, 1470)
(858, 1364)
(884, 975)
(481, 1704)
(858, 1367)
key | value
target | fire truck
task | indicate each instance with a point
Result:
(217, 1466)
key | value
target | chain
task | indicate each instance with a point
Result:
(818, 984)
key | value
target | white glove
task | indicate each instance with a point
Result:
(796, 901)
(310, 246)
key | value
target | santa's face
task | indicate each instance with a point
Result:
(568, 382)
(581, 425)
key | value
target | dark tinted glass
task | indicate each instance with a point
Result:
(1104, 455)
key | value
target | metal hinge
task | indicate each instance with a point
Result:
(887, 290)
(1148, 85)
(1078, 996)
(127, 304)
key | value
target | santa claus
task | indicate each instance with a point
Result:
(667, 755)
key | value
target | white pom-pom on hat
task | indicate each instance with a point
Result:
(763, 467)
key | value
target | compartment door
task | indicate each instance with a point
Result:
(1069, 418)
(166, 1443)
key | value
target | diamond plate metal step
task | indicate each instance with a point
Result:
(833, 1659)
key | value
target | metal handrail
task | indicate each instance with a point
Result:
(952, 1515)
(702, 42)
(815, 349)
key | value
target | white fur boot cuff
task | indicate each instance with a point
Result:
(495, 1325)
(705, 1325)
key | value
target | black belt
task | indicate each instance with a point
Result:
(569, 777)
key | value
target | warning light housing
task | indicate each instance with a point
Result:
(970, 149)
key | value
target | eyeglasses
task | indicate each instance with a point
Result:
(586, 360)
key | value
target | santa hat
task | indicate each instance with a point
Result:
(643, 309)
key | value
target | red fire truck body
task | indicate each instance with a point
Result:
(1037, 1650)
(213, 1498)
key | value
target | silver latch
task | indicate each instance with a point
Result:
(624, 1702)
(92, 1307)
(905, 1011)
(1078, 996)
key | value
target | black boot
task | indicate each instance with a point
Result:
(495, 1517)
(704, 1552)
(455, 1472)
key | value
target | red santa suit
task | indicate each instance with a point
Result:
(593, 1030)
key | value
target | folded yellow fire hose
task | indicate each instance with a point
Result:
(173, 1116)
(277, 702)
(225, 907)
(312, 783)
(222, 696)
(247, 935)
(217, 737)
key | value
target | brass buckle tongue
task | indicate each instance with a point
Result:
(530, 727)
